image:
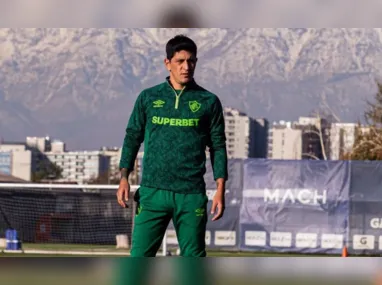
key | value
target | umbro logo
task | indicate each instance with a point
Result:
(199, 212)
(158, 104)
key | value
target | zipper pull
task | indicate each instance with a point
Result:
(177, 97)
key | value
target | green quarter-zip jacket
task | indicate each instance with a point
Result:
(176, 126)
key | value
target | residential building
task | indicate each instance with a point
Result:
(285, 141)
(137, 175)
(246, 137)
(114, 155)
(80, 166)
(38, 145)
(342, 139)
(317, 131)
(15, 160)
(298, 140)
(58, 146)
(261, 129)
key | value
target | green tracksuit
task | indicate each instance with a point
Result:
(176, 126)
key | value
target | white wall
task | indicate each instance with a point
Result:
(21, 164)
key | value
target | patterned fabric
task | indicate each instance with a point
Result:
(176, 126)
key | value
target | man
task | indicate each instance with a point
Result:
(177, 120)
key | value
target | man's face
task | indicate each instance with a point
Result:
(182, 67)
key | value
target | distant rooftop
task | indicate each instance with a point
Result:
(233, 111)
(11, 143)
(5, 178)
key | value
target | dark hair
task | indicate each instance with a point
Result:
(178, 43)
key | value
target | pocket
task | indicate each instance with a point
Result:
(149, 206)
(136, 195)
(205, 199)
(143, 193)
(148, 198)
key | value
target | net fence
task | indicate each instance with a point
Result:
(65, 214)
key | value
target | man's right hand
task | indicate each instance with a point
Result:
(123, 192)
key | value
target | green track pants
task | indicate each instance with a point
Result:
(156, 208)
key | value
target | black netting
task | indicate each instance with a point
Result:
(64, 216)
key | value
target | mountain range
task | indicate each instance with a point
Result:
(79, 85)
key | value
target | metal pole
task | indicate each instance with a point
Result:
(164, 245)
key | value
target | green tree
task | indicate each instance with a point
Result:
(46, 170)
(368, 141)
(373, 114)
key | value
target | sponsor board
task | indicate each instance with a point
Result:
(172, 239)
(281, 239)
(376, 223)
(255, 238)
(225, 238)
(211, 193)
(208, 237)
(332, 241)
(282, 196)
(306, 240)
(363, 242)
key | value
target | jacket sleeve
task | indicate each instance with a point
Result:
(134, 135)
(217, 142)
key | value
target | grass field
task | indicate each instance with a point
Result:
(61, 274)
(74, 250)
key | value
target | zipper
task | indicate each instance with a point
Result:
(177, 95)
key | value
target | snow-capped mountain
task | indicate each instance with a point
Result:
(79, 85)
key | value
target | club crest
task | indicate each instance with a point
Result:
(194, 106)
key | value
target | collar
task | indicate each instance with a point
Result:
(191, 85)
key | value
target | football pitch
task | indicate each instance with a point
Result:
(89, 276)
(78, 250)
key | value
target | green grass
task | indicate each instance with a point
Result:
(260, 254)
(110, 248)
(69, 247)
(88, 277)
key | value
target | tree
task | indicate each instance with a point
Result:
(368, 142)
(324, 121)
(46, 170)
(373, 114)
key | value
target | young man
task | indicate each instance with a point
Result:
(177, 120)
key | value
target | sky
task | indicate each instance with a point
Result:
(208, 13)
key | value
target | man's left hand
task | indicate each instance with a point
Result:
(219, 203)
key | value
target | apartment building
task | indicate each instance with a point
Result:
(38, 145)
(15, 160)
(308, 138)
(285, 141)
(342, 138)
(57, 146)
(261, 127)
(246, 136)
(79, 166)
(138, 168)
(114, 155)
